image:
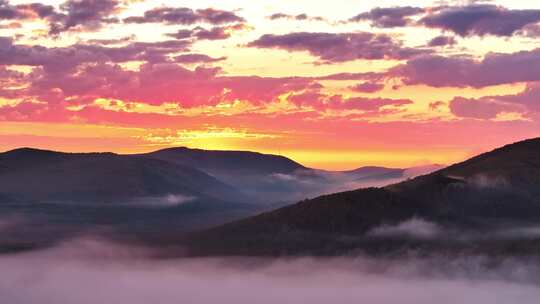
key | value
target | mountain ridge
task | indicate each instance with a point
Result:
(26, 170)
(322, 224)
(261, 179)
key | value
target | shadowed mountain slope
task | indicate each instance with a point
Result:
(495, 187)
(228, 162)
(272, 179)
(47, 196)
(372, 172)
(35, 175)
(152, 195)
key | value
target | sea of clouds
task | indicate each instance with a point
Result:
(89, 271)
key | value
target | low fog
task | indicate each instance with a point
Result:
(93, 271)
(422, 229)
(71, 269)
(311, 183)
(414, 228)
(170, 200)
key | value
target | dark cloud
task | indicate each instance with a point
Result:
(40, 10)
(215, 33)
(489, 107)
(7, 11)
(218, 16)
(112, 41)
(183, 34)
(196, 58)
(25, 11)
(473, 19)
(63, 59)
(72, 14)
(485, 108)
(277, 16)
(442, 41)
(299, 17)
(481, 20)
(185, 16)
(371, 76)
(339, 47)
(368, 87)
(389, 17)
(88, 14)
(52, 58)
(322, 102)
(493, 69)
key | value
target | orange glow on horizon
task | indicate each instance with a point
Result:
(324, 89)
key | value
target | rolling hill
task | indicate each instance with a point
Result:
(51, 196)
(274, 180)
(227, 162)
(485, 193)
(150, 196)
(31, 175)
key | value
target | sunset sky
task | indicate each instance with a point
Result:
(332, 84)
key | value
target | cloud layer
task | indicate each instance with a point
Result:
(123, 275)
(481, 20)
(331, 48)
(314, 73)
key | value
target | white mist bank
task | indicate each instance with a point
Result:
(93, 272)
(414, 228)
(304, 184)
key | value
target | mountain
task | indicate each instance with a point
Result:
(373, 172)
(274, 180)
(52, 196)
(30, 175)
(484, 196)
(148, 196)
(228, 162)
(262, 177)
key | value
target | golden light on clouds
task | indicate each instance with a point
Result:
(316, 84)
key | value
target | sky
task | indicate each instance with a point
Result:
(332, 84)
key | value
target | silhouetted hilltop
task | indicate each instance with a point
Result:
(155, 195)
(239, 162)
(37, 175)
(373, 172)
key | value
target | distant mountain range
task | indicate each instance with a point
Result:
(469, 206)
(277, 180)
(227, 162)
(489, 204)
(32, 175)
(168, 191)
